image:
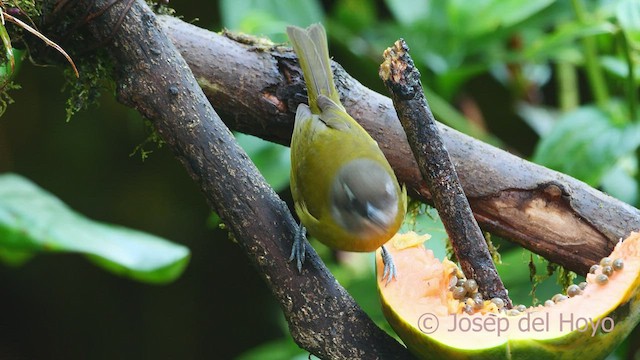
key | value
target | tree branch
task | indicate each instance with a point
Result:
(256, 90)
(402, 79)
(152, 77)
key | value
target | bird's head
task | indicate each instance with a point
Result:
(364, 198)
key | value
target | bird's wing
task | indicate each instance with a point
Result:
(313, 55)
(334, 115)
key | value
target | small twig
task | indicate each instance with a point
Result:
(403, 81)
(16, 10)
(35, 32)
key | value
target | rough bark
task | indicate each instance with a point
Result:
(402, 79)
(152, 77)
(256, 90)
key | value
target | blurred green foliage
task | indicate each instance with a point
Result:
(32, 220)
(553, 81)
(269, 17)
(272, 160)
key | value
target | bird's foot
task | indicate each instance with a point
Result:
(298, 249)
(390, 272)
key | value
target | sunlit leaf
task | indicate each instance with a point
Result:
(8, 59)
(33, 220)
(541, 120)
(408, 11)
(512, 12)
(269, 17)
(485, 17)
(618, 67)
(586, 143)
(628, 15)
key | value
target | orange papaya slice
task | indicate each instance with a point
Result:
(437, 316)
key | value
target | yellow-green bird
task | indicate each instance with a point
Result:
(343, 188)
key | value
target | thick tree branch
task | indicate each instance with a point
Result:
(402, 79)
(153, 78)
(256, 90)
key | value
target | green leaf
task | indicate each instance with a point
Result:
(486, 17)
(540, 119)
(14, 257)
(628, 15)
(586, 143)
(33, 220)
(515, 274)
(269, 17)
(7, 57)
(357, 15)
(620, 182)
(512, 12)
(619, 68)
(273, 160)
(561, 44)
(284, 348)
(408, 11)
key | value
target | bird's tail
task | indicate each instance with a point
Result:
(310, 45)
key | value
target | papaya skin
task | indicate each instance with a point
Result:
(616, 303)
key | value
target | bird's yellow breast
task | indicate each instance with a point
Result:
(318, 152)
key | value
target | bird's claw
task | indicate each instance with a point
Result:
(298, 250)
(389, 272)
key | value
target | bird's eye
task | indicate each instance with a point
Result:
(362, 208)
(350, 195)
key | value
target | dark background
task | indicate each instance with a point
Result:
(62, 306)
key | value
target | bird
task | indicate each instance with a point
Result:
(344, 191)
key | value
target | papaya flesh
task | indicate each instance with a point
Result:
(434, 324)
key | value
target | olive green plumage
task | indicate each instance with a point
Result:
(344, 190)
